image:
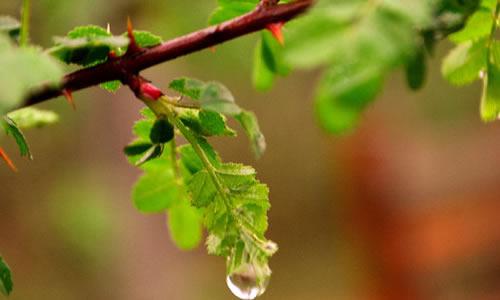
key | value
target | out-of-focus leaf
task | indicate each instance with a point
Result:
(416, 70)
(31, 117)
(22, 69)
(343, 94)
(464, 63)
(155, 191)
(478, 26)
(249, 122)
(5, 278)
(184, 224)
(10, 26)
(490, 101)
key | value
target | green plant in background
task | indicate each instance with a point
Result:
(358, 42)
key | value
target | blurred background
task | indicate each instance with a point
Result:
(403, 208)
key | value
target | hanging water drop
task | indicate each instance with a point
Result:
(246, 284)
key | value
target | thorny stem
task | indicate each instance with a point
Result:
(253, 21)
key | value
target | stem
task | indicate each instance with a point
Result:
(255, 20)
(25, 23)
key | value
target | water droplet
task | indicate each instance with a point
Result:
(245, 283)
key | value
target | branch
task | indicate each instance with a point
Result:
(117, 69)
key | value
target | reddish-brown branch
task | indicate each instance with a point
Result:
(195, 41)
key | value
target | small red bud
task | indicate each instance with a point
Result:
(150, 92)
(7, 160)
(275, 29)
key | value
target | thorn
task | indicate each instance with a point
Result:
(275, 29)
(7, 160)
(213, 49)
(108, 28)
(132, 47)
(69, 97)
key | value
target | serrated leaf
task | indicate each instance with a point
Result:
(213, 123)
(249, 122)
(156, 191)
(202, 189)
(5, 278)
(490, 101)
(22, 69)
(31, 117)
(13, 130)
(463, 64)
(343, 94)
(184, 224)
(10, 26)
(86, 45)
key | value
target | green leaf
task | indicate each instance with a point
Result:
(191, 160)
(21, 69)
(202, 189)
(189, 87)
(213, 123)
(184, 224)
(464, 63)
(146, 38)
(13, 130)
(478, 26)
(10, 26)
(161, 132)
(268, 61)
(343, 94)
(156, 191)
(111, 86)
(218, 98)
(495, 53)
(248, 121)
(86, 45)
(490, 101)
(262, 76)
(229, 9)
(31, 117)
(5, 278)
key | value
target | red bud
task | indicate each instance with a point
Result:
(150, 92)
(275, 29)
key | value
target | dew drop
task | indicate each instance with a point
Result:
(245, 284)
